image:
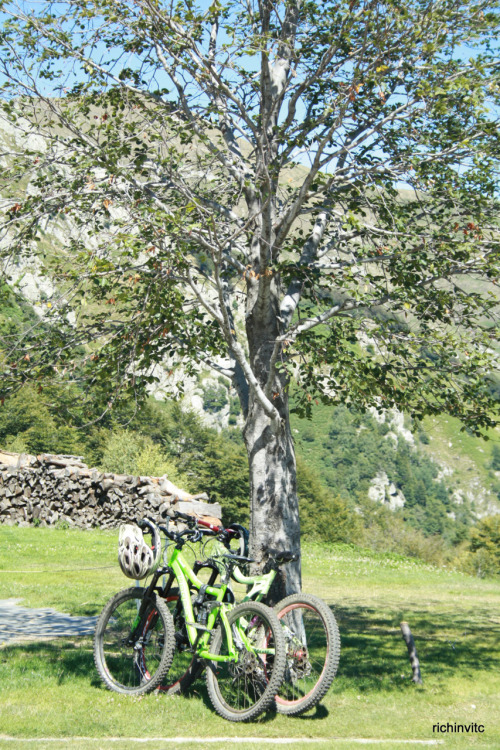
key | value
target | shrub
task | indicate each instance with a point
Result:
(386, 531)
(214, 397)
(323, 515)
(480, 563)
(129, 452)
(485, 539)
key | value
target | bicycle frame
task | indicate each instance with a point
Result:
(184, 575)
(260, 584)
(181, 571)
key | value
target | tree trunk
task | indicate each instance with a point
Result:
(274, 506)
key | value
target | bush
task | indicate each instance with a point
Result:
(214, 397)
(480, 563)
(221, 470)
(483, 555)
(324, 516)
(28, 424)
(129, 452)
(386, 531)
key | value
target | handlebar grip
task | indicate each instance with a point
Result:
(208, 525)
(179, 514)
(169, 534)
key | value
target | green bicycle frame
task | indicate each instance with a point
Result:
(184, 575)
(260, 584)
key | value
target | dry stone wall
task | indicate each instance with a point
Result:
(49, 489)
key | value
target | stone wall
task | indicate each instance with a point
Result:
(49, 489)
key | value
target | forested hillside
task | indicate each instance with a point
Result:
(371, 479)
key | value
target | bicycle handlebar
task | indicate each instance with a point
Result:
(150, 527)
(194, 534)
(176, 536)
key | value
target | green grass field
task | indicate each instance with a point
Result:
(50, 693)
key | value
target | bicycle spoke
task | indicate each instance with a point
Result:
(132, 655)
(244, 688)
(312, 649)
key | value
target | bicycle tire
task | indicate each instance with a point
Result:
(311, 666)
(185, 667)
(243, 690)
(140, 667)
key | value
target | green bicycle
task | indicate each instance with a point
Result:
(309, 626)
(243, 646)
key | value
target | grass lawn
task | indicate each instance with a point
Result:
(50, 690)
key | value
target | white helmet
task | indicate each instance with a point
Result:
(137, 559)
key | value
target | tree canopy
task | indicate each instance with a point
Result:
(334, 161)
(277, 190)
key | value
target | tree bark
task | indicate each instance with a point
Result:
(412, 653)
(274, 506)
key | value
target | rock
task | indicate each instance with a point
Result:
(383, 491)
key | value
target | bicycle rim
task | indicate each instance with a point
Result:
(137, 665)
(243, 689)
(312, 652)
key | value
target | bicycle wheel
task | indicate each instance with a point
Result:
(133, 665)
(312, 652)
(242, 690)
(186, 667)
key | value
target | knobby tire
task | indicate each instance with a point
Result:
(311, 666)
(139, 667)
(242, 691)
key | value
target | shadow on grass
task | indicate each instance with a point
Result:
(58, 662)
(52, 661)
(318, 712)
(199, 690)
(374, 655)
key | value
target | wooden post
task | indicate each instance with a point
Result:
(412, 652)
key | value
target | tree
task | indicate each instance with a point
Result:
(261, 188)
(495, 457)
(486, 535)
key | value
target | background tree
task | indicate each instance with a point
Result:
(261, 187)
